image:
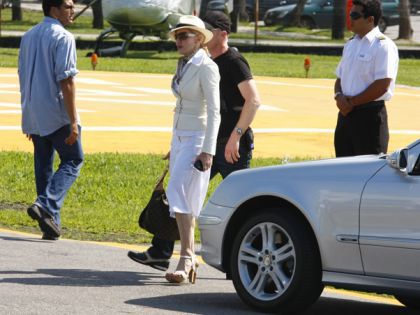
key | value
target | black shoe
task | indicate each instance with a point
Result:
(45, 221)
(145, 259)
(48, 237)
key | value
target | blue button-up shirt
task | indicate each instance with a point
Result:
(47, 55)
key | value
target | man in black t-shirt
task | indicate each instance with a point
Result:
(239, 102)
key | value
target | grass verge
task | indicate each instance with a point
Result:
(102, 205)
(262, 64)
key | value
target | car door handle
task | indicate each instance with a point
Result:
(348, 239)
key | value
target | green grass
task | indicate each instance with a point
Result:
(83, 24)
(103, 204)
(262, 64)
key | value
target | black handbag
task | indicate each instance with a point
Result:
(155, 217)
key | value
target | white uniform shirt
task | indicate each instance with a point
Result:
(366, 60)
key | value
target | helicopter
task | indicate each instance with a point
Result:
(129, 18)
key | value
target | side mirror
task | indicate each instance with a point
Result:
(398, 159)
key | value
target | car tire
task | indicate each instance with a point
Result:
(412, 302)
(275, 262)
(268, 22)
(307, 22)
(382, 24)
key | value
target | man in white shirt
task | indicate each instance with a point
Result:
(365, 80)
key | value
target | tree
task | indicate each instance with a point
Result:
(98, 18)
(339, 19)
(297, 13)
(405, 30)
(238, 11)
(16, 11)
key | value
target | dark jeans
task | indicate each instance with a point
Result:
(52, 187)
(163, 248)
(362, 131)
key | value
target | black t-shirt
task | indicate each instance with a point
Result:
(233, 69)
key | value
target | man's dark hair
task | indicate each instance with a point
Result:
(48, 4)
(370, 8)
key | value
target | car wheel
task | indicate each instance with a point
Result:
(307, 22)
(382, 25)
(412, 302)
(275, 262)
(268, 22)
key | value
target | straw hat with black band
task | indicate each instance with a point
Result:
(193, 23)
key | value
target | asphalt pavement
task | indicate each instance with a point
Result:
(73, 277)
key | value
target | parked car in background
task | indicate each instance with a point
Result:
(283, 232)
(414, 6)
(264, 5)
(319, 14)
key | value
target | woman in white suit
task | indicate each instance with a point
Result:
(195, 127)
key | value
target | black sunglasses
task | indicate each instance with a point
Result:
(184, 35)
(355, 15)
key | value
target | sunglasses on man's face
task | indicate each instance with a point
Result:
(355, 15)
(184, 35)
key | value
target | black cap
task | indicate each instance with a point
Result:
(217, 19)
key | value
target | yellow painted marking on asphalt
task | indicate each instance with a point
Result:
(114, 101)
(366, 296)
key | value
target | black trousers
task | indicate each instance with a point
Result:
(362, 131)
(163, 248)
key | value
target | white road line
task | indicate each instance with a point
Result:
(13, 105)
(19, 111)
(106, 100)
(100, 92)
(9, 111)
(87, 80)
(256, 130)
(9, 92)
(8, 86)
(161, 103)
(147, 90)
(272, 108)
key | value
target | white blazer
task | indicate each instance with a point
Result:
(198, 100)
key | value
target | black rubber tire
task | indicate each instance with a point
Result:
(412, 302)
(307, 22)
(306, 283)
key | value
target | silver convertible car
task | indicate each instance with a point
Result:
(283, 232)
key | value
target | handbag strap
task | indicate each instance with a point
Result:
(159, 185)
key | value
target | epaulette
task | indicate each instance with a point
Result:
(350, 38)
(381, 37)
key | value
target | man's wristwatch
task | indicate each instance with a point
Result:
(238, 131)
(337, 94)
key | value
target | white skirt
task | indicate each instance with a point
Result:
(187, 186)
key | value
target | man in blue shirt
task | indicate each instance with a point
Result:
(47, 65)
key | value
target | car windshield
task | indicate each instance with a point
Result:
(318, 2)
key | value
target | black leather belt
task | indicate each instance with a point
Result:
(370, 105)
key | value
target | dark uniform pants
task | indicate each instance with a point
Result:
(362, 131)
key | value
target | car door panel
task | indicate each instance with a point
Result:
(390, 225)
